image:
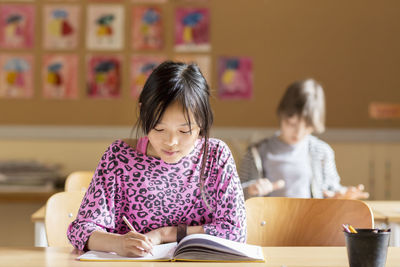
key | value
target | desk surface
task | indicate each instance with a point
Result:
(390, 210)
(275, 256)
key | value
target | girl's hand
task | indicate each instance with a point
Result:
(264, 186)
(133, 244)
(156, 236)
(352, 192)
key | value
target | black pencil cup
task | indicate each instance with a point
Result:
(367, 248)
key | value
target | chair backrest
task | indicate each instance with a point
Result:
(78, 181)
(279, 221)
(61, 210)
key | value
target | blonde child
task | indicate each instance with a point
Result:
(294, 163)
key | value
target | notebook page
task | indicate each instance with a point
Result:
(221, 244)
(161, 252)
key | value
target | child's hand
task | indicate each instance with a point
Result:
(352, 192)
(133, 244)
(156, 236)
(264, 186)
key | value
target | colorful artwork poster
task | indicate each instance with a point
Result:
(141, 68)
(235, 78)
(203, 61)
(105, 27)
(192, 29)
(382, 111)
(16, 76)
(149, 1)
(59, 76)
(61, 26)
(104, 76)
(147, 33)
(17, 24)
(109, 1)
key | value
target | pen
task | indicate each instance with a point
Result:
(132, 229)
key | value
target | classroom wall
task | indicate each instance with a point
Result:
(351, 46)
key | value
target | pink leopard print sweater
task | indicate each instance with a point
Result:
(152, 194)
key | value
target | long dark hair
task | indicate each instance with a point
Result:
(178, 82)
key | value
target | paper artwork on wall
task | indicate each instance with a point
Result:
(147, 32)
(104, 76)
(149, 1)
(141, 68)
(61, 26)
(17, 24)
(203, 61)
(378, 110)
(235, 78)
(105, 27)
(59, 76)
(192, 29)
(16, 76)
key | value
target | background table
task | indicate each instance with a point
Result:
(387, 215)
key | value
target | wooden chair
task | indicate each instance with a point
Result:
(78, 181)
(278, 221)
(61, 210)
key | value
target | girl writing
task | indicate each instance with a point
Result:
(171, 182)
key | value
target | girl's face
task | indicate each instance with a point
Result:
(172, 138)
(294, 129)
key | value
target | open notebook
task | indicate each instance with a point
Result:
(197, 247)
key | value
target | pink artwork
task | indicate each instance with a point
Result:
(60, 76)
(203, 61)
(192, 29)
(105, 27)
(141, 68)
(105, 1)
(61, 26)
(17, 23)
(16, 76)
(147, 28)
(235, 78)
(149, 1)
(104, 76)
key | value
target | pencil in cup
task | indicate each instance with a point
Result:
(349, 229)
(132, 229)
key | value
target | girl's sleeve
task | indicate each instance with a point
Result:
(248, 171)
(229, 220)
(97, 210)
(330, 174)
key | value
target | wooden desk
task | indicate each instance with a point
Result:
(275, 256)
(389, 209)
(40, 231)
(388, 213)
